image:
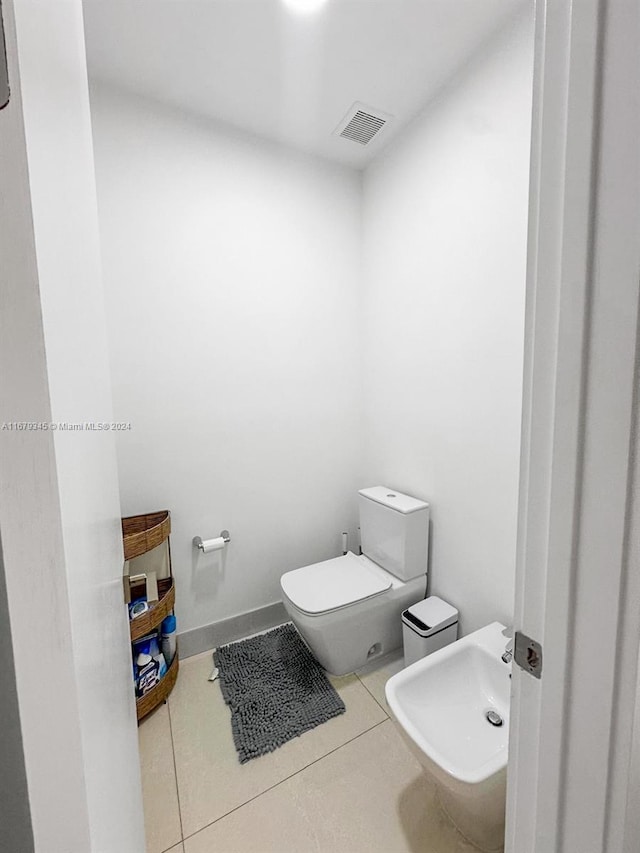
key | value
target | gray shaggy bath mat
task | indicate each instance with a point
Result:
(276, 690)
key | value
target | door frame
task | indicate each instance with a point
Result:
(577, 584)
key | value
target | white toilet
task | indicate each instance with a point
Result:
(349, 609)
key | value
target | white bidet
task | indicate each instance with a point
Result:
(452, 708)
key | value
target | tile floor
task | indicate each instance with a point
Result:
(348, 786)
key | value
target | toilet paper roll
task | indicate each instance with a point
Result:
(212, 544)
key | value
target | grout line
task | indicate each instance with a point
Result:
(384, 710)
(370, 692)
(286, 779)
(175, 772)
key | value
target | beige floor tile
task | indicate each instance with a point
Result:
(161, 814)
(208, 655)
(211, 781)
(369, 796)
(375, 675)
(178, 849)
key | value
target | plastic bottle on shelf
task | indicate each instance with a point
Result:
(169, 638)
(147, 676)
(162, 665)
(156, 654)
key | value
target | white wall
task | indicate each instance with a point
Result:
(30, 520)
(59, 508)
(231, 273)
(253, 292)
(445, 218)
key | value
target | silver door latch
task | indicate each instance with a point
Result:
(528, 654)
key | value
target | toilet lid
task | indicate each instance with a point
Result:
(333, 584)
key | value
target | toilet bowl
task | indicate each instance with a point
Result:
(452, 708)
(348, 609)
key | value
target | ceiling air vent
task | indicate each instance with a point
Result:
(362, 124)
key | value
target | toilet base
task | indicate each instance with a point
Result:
(345, 640)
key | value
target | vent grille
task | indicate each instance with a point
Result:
(362, 124)
(363, 127)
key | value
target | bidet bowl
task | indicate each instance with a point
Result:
(441, 705)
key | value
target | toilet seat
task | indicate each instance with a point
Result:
(334, 584)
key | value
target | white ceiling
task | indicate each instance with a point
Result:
(259, 66)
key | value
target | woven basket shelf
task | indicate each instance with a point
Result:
(157, 610)
(145, 704)
(142, 533)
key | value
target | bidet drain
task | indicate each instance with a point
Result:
(494, 717)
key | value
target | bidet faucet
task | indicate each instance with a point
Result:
(507, 655)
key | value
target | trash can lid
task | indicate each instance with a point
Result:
(429, 616)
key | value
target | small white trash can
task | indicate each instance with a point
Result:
(428, 626)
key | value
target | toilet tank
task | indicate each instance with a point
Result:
(394, 531)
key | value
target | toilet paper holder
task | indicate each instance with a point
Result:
(206, 545)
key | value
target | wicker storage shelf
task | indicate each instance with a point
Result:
(142, 533)
(145, 704)
(157, 610)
